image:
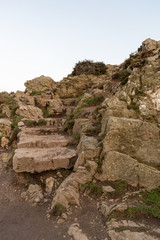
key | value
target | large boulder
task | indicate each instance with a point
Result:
(134, 137)
(150, 44)
(29, 112)
(40, 84)
(118, 166)
(130, 122)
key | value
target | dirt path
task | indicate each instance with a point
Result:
(20, 221)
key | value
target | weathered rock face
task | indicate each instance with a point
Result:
(5, 127)
(40, 84)
(130, 122)
(76, 86)
(121, 166)
(134, 137)
(29, 112)
(150, 44)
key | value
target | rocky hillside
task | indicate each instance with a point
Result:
(101, 126)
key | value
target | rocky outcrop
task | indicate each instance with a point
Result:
(150, 44)
(134, 137)
(78, 85)
(115, 118)
(29, 112)
(118, 166)
(130, 122)
(40, 84)
(118, 230)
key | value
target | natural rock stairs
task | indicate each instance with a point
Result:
(41, 149)
(43, 159)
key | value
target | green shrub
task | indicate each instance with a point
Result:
(121, 76)
(14, 135)
(76, 136)
(92, 101)
(5, 98)
(41, 122)
(14, 107)
(15, 120)
(30, 123)
(69, 123)
(59, 209)
(46, 113)
(33, 123)
(150, 209)
(133, 105)
(89, 67)
(44, 109)
(36, 93)
(120, 187)
(93, 188)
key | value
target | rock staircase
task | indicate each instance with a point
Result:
(43, 148)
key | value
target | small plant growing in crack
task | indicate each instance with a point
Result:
(58, 209)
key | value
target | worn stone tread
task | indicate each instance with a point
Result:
(39, 160)
(42, 130)
(44, 141)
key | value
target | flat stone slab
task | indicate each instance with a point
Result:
(42, 130)
(44, 141)
(39, 160)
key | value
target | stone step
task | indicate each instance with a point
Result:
(42, 130)
(44, 141)
(39, 160)
(49, 122)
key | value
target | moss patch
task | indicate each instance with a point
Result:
(150, 209)
(94, 189)
(59, 209)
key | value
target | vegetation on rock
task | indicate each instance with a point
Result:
(58, 209)
(121, 76)
(94, 189)
(89, 67)
(150, 206)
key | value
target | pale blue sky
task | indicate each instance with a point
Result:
(47, 37)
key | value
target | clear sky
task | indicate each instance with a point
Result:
(47, 37)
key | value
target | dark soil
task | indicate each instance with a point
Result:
(21, 221)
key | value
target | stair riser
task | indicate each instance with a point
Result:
(38, 165)
(42, 144)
